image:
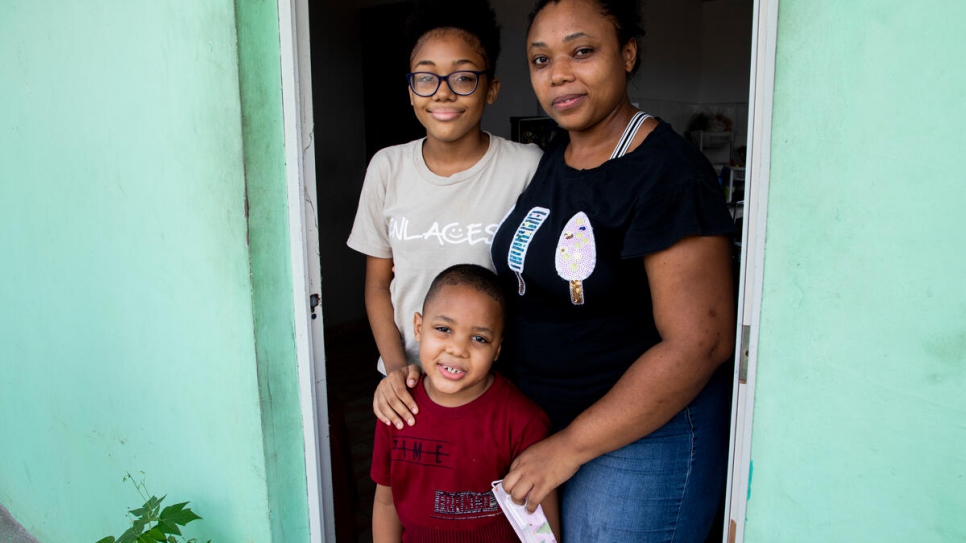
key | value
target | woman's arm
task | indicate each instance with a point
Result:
(386, 527)
(381, 313)
(692, 295)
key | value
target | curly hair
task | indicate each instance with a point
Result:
(473, 17)
(624, 14)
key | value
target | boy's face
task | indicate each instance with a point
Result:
(459, 338)
(447, 116)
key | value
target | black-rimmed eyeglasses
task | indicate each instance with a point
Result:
(463, 82)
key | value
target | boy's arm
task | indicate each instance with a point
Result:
(386, 527)
(380, 311)
(551, 510)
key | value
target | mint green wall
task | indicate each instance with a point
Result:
(262, 121)
(127, 328)
(859, 431)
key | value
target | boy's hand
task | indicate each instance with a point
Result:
(393, 403)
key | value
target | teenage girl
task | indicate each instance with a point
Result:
(437, 201)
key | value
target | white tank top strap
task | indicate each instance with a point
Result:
(629, 134)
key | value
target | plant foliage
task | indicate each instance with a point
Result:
(152, 524)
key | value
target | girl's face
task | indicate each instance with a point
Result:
(578, 68)
(447, 116)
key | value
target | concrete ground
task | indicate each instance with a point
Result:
(11, 531)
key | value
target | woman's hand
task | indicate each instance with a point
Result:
(393, 403)
(539, 470)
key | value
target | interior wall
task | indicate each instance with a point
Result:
(858, 425)
(126, 328)
(696, 57)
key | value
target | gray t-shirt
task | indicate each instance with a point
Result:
(426, 222)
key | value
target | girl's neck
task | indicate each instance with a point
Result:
(446, 158)
(593, 146)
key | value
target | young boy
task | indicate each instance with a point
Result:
(437, 201)
(433, 479)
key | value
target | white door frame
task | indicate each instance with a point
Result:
(299, 129)
(306, 273)
(761, 96)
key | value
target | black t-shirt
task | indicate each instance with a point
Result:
(570, 257)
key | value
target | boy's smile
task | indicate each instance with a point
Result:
(459, 338)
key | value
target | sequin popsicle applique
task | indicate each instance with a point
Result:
(576, 255)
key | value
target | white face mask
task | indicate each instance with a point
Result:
(529, 527)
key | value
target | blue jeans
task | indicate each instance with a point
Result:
(665, 487)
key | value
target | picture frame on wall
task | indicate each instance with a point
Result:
(538, 130)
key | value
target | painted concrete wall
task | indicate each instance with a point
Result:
(859, 430)
(128, 325)
(266, 191)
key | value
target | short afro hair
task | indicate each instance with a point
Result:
(473, 17)
(474, 276)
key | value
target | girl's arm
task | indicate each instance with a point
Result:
(386, 527)
(691, 290)
(392, 401)
(381, 313)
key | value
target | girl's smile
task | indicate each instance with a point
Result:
(450, 118)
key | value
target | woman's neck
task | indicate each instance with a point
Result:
(446, 158)
(591, 147)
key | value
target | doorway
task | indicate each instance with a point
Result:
(695, 71)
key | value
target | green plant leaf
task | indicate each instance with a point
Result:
(168, 527)
(178, 514)
(108, 539)
(155, 504)
(130, 536)
(153, 535)
(138, 525)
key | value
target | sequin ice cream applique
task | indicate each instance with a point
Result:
(521, 241)
(576, 255)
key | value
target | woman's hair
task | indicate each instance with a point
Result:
(624, 14)
(473, 17)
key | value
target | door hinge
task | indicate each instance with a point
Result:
(314, 301)
(743, 354)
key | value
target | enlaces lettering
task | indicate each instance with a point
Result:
(453, 233)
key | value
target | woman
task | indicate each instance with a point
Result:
(617, 262)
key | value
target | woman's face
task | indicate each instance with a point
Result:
(577, 67)
(447, 116)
